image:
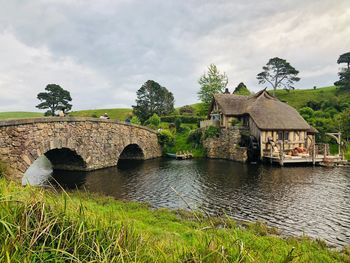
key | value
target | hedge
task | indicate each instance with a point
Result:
(183, 118)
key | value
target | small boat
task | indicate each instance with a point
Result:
(172, 155)
(180, 155)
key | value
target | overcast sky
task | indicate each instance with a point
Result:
(102, 51)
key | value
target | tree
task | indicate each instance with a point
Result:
(344, 74)
(54, 99)
(344, 80)
(344, 58)
(153, 98)
(211, 83)
(278, 73)
(241, 89)
(344, 121)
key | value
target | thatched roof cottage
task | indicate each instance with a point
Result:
(277, 127)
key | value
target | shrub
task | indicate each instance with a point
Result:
(166, 138)
(154, 120)
(211, 132)
(186, 110)
(183, 118)
(307, 113)
(135, 120)
(195, 136)
(178, 125)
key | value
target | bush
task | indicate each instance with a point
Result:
(166, 138)
(186, 110)
(183, 118)
(211, 132)
(195, 136)
(178, 125)
(154, 120)
(135, 120)
(307, 113)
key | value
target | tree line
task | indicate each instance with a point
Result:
(154, 99)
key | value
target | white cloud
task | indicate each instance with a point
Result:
(103, 51)
(25, 71)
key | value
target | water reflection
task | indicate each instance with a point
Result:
(297, 200)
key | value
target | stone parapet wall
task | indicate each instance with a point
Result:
(98, 142)
(226, 146)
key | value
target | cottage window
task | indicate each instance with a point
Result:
(215, 117)
(280, 135)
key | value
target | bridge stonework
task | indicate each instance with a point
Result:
(98, 143)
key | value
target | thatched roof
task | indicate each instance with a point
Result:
(267, 111)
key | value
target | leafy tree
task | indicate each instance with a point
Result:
(54, 99)
(344, 80)
(307, 113)
(344, 121)
(241, 89)
(278, 73)
(211, 83)
(344, 74)
(153, 98)
(344, 58)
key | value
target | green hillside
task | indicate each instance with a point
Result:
(19, 115)
(299, 97)
(114, 114)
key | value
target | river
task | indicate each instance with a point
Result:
(297, 200)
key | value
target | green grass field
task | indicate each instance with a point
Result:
(19, 115)
(39, 225)
(299, 97)
(114, 114)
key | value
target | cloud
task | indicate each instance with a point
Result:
(103, 51)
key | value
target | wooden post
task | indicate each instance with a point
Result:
(313, 150)
(282, 149)
(271, 153)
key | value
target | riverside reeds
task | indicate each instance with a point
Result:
(38, 225)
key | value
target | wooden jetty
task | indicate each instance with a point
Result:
(318, 154)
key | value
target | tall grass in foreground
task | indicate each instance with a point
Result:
(38, 225)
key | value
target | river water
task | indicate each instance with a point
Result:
(297, 200)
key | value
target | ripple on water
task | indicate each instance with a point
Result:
(298, 200)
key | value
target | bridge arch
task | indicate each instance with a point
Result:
(74, 143)
(132, 152)
(65, 159)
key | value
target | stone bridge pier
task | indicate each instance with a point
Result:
(73, 143)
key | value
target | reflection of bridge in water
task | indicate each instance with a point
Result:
(81, 144)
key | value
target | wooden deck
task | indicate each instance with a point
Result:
(329, 160)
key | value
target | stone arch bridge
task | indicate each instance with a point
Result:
(81, 144)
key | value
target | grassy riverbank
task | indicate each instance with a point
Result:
(41, 225)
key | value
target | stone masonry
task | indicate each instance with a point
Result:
(226, 146)
(98, 143)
